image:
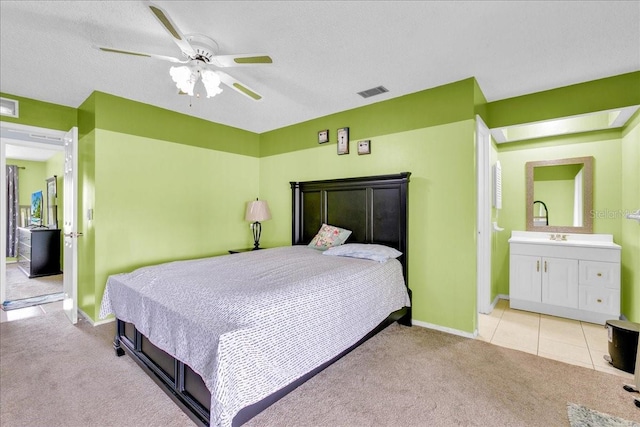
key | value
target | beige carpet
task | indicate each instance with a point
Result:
(55, 374)
(19, 286)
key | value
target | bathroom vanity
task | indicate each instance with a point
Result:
(576, 276)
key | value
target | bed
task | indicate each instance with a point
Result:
(240, 348)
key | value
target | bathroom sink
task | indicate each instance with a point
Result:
(563, 239)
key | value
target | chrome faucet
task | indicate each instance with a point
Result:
(558, 236)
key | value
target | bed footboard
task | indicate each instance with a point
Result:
(178, 380)
(187, 389)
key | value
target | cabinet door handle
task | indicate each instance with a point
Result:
(545, 266)
(599, 300)
(599, 274)
(537, 266)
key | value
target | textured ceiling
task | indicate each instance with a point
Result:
(324, 52)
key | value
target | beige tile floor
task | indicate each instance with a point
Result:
(570, 341)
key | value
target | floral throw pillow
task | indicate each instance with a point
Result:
(329, 236)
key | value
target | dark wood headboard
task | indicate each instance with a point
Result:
(374, 208)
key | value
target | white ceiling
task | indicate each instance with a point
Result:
(324, 52)
(34, 154)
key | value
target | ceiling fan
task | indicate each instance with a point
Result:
(199, 56)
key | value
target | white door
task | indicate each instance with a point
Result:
(483, 249)
(560, 282)
(3, 222)
(525, 278)
(70, 227)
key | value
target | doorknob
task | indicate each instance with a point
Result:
(72, 235)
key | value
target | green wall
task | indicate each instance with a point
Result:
(109, 112)
(597, 95)
(181, 202)
(443, 104)
(34, 174)
(162, 185)
(430, 134)
(558, 196)
(442, 257)
(31, 178)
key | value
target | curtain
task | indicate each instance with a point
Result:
(13, 210)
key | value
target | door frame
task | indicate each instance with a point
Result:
(23, 135)
(484, 232)
(70, 232)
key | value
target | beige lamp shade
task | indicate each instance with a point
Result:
(257, 210)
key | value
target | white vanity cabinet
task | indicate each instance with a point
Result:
(544, 279)
(577, 278)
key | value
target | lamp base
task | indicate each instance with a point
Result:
(257, 229)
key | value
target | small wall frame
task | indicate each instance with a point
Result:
(343, 141)
(323, 136)
(364, 147)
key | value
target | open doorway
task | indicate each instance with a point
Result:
(31, 273)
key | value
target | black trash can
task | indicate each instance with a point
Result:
(623, 344)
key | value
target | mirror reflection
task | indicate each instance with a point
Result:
(559, 195)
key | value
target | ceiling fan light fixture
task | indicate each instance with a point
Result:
(185, 78)
(198, 51)
(211, 82)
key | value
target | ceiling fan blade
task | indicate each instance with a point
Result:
(237, 86)
(163, 17)
(240, 60)
(148, 55)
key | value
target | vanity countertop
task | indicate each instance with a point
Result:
(564, 239)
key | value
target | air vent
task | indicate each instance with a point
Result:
(374, 91)
(8, 107)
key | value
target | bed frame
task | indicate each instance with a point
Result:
(374, 208)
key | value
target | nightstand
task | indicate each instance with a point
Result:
(235, 251)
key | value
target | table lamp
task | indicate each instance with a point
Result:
(257, 210)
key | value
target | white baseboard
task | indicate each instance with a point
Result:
(99, 322)
(104, 321)
(498, 298)
(443, 329)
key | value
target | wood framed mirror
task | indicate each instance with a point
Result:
(560, 195)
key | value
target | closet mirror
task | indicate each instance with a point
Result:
(560, 195)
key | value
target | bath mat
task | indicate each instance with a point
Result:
(581, 416)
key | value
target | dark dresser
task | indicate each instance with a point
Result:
(39, 251)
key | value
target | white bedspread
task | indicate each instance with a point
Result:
(251, 323)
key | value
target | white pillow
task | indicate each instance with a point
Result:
(371, 251)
